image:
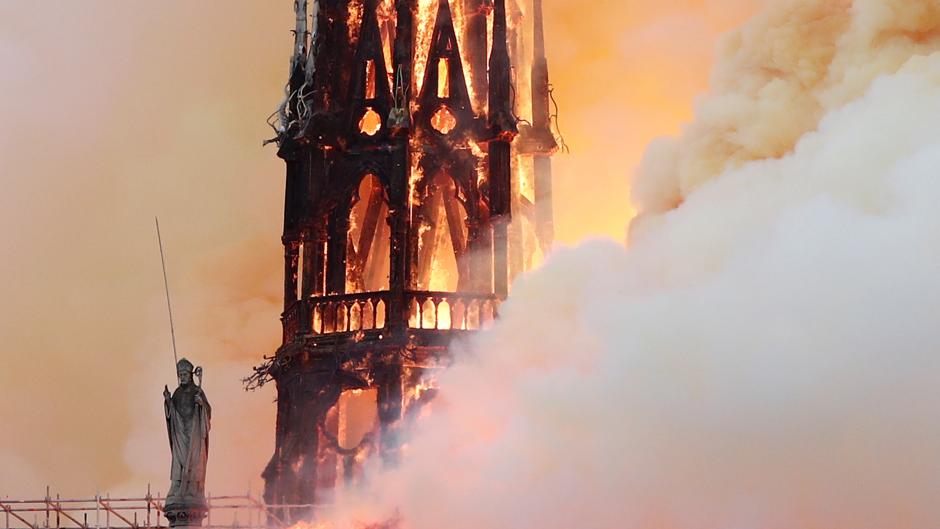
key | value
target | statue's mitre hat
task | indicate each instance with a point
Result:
(184, 364)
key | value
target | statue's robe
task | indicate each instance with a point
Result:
(188, 425)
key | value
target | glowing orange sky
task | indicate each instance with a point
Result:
(113, 112)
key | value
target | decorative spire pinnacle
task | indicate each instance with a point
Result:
(541, 115)
(300, 35)
(502, 121)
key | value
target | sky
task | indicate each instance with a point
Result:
(116, 111)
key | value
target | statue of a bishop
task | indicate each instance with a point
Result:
(187, 422)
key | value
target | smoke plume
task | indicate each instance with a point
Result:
(762, 355)
(113, 112)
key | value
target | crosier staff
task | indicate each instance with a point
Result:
(166, 287)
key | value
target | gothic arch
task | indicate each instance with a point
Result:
(368, 236)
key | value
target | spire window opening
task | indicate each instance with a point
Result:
(370, 79)
(367, 261)
(443, 79)
(442, 244)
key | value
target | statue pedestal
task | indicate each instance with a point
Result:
(185, 514)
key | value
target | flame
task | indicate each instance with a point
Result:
(419, 391)
(354, 20)
(460, 27)
(386, 14)
(415, 177)
(525, 246)
(427, 13)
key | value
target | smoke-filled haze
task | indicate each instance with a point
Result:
(113, 112)
(763, 354)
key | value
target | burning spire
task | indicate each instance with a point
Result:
(396, 233)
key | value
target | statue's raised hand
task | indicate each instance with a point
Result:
(166, 393)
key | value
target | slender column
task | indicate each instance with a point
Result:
(516, 236)
(326, 458)
(544, 211)
(540, 111)
(279, 478)
(399, 271)
(291, 259)
(298, 60)
(313, 267)
(314, 221)
(541, 125)
(336, 251)
(404, 43)
(390, 408)
(307, 285)
(499, 154)
(398, 266)
(307, 447)
(293, 214)
(502, 124)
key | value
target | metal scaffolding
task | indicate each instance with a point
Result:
(146, 512)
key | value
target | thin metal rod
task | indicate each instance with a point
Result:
(166, 286)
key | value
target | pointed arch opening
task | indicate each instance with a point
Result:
(367, 261)
(370, 79)
(443, 78)
(442, 244)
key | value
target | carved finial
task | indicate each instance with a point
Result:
(300, 30)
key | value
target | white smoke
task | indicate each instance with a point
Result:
(777, 76)
(763, 356)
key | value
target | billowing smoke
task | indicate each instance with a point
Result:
(763, 355)
(777, 77)
(113, 114)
